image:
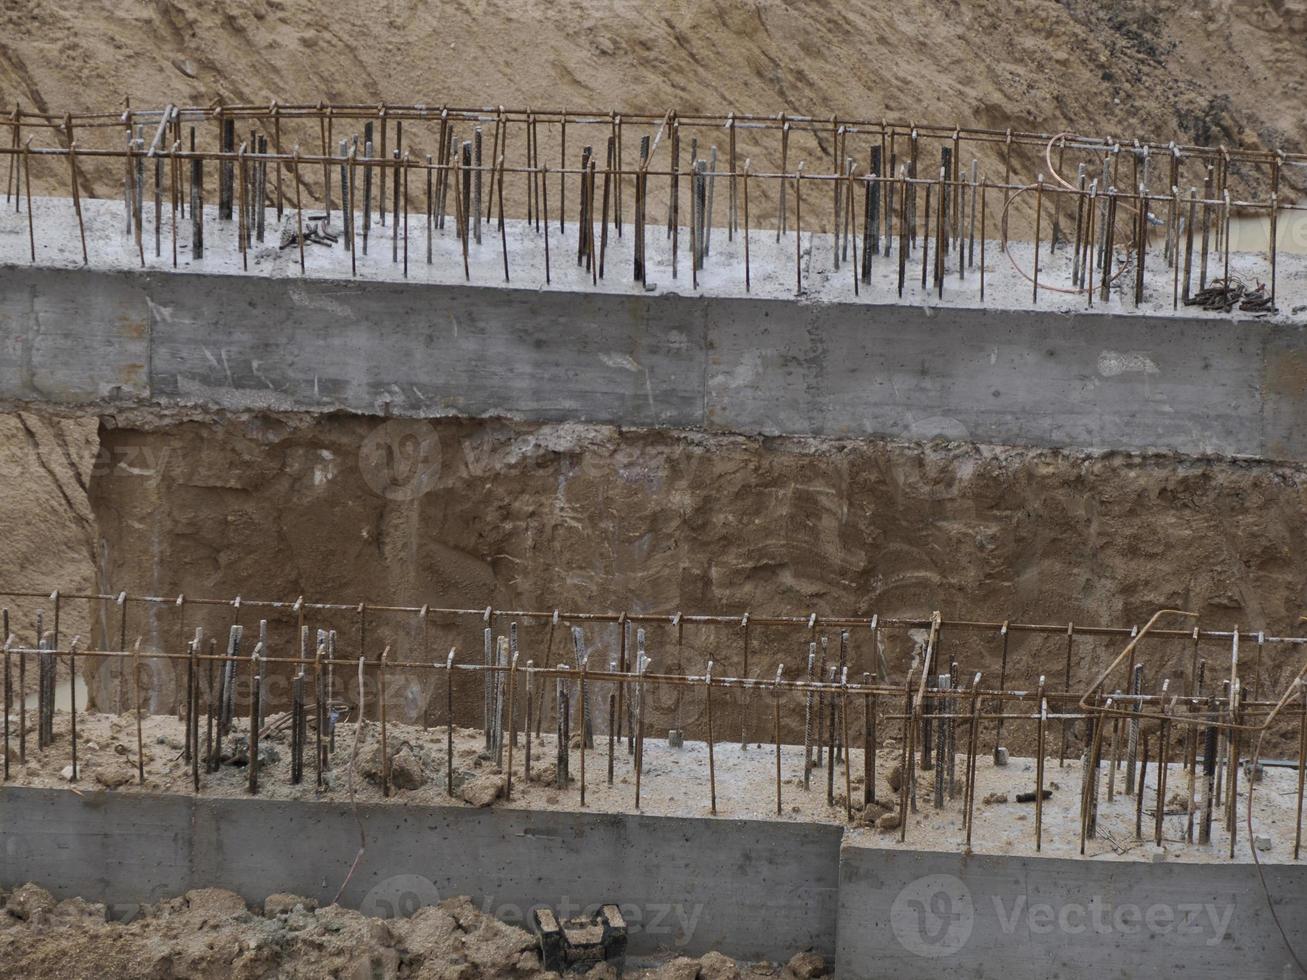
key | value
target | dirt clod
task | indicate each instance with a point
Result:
(806, 965)
(28, 900)
(483, 790)
(715, 966)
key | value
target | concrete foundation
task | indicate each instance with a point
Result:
(753, 889)
(929, 914)
(755, 366)
(756, 888)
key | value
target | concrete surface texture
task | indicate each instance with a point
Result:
(931, 915)
(756, 889)
(762, 363)
(747, 888)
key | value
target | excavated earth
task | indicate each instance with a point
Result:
(210, 934)
(525, 516)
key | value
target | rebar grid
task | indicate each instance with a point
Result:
(932, 715)
(1110, 211)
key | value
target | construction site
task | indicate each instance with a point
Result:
(551, 522)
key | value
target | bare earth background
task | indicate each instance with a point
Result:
(590, 516)
(656, 520)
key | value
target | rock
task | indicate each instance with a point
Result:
(284, 904)
(66, 773)
(681, 968)
(806, 965)
(888, 821)
(602, 971)
(29, 899)
(1262, 842)
(488, 944)
(433, 933)
(870, 813)
(114, 778)
(895, 778)
(215, 903)
(992, 798)
(483, 790)
(545, 774)
(119, 748)
(240, 752)
(406, 769)
(716, 966)
(1000, 756)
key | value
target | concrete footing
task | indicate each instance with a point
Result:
(757, 366)
(752, 889)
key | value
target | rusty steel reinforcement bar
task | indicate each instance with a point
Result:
(278, 112)
(810, 621)
(946, 711)
(1117, 253)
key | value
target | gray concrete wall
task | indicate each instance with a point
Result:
(1187, 384)
(928, 915)
(753, 889)
(758, 889)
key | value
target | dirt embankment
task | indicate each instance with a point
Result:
(490, 513)
(1216, 71)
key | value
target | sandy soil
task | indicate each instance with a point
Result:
(540, 516)
(210, 934)
(675, 782)
(1207, 72)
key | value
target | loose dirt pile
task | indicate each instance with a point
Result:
(210, 934)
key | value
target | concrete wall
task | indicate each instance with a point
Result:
(1188, 384)
(753, 889)
(928, 915)
(760, 888)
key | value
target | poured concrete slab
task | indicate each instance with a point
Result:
(367, 339)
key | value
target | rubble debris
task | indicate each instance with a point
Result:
(578, 944)
(1030, 797)
(284, 904)
(483, 790)
(716, 966)
(807, 965)
(28, 900)
(316, 232)
(1223, 295)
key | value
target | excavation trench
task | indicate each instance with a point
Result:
(489, 513)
